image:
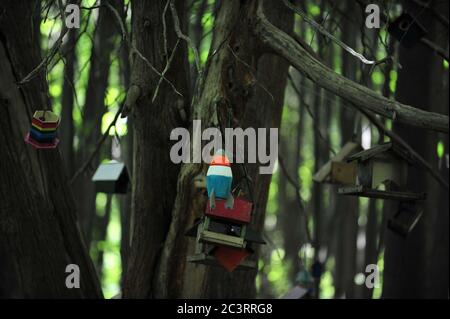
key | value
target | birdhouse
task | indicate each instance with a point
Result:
(42, 134)
(407, 30)
(297, 292)
(111, 178)
(338, 171)
(381, 172)
(223, 236)
(406, 218)
(303, 288)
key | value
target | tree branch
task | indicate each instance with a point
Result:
(350, 91)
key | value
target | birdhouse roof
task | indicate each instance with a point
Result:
(110, 171)
(254, 236)
(324, 172)
(380, 149)
(297, 292)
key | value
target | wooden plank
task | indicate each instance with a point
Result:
(222, 239)
(374, 193)
(205, 259)
(323, 174)
(343, 173)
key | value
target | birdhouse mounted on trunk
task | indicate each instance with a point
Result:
(337, 170)
(111, 178)
(42, 134)
(381, 172)
(222, 234)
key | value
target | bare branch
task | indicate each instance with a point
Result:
(350, 91)
(46, 61)
(324, 31)
(308, 109)
(102, 140)
(184, 37)
(298, 197)
(138, 53)
(166, 68)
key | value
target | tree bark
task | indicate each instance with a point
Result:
(233, 61)
(407, 261)
(38, 223)
(67, 103)
(152, 201)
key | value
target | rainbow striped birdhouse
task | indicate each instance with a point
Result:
(42, 134)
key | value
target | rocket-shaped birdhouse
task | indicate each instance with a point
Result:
(42, 134)
(219, 179)
(223, 234)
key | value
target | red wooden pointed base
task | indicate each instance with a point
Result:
(38, 145)
(229, 257)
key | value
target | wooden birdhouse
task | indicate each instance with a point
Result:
(381, 172)
(406, 218)
(223, 236)
(42, 134)
(304, 286)
(407, 30)
(337, 170)
(111, 178)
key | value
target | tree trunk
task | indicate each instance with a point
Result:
(347, 207)
(152, 202)
(233, 59)
(104, 43)
(38, 222)
(407, 261)
(67, 103)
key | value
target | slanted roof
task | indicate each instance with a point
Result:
(323, 174)
(297, 292)
(253, 236)
(382, 148)
(110, 171)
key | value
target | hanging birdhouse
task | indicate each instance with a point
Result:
(382, 173)
(407, 30)
(338, 171)
(406, 218)
(111, 178)
(42, 134)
